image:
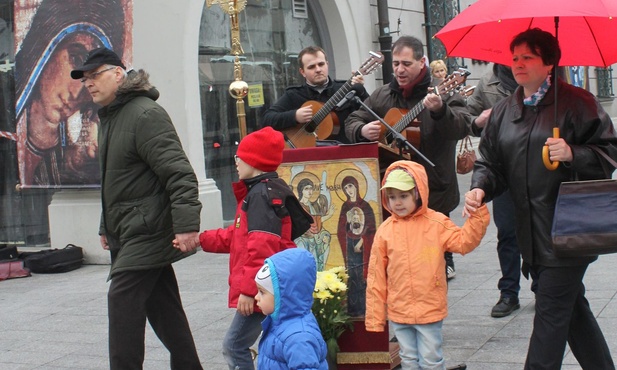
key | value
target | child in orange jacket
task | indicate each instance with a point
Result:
(406, 280)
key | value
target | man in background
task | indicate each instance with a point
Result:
(288, 111)
(442, 123)
(492, 88)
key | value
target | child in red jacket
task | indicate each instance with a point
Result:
(268, 218)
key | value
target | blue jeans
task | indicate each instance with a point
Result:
(420, 346)
(507, 247)
(241, 335)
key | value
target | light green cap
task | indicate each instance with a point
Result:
(399, 179)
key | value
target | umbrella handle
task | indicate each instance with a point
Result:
(552, 166)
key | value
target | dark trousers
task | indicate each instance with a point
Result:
(563, 315)
(507, 247)
(135, 296)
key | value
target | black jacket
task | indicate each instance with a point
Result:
(511, 157)
(282, 114)
(439, 133)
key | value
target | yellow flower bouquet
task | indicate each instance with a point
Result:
(330, 306)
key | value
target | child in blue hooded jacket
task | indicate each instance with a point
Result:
(291, 338)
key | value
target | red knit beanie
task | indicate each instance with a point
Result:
(262, 149)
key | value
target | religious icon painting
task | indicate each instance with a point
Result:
(339, 187)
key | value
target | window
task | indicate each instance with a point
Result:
(271, 37)
(605, 82)
(300, 9)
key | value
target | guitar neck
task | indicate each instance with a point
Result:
(445, 87)
(330, 104)
(410, 116)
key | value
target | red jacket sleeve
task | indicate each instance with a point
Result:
(217, 240)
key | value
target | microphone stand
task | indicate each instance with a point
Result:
(400, 139)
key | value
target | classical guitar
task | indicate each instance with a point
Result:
(466, 91)
(399, 118)
(305, 135)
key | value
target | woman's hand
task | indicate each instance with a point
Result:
(473, 200)
(559, 150)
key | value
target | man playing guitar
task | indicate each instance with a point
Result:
(288, 112)
(442, 122)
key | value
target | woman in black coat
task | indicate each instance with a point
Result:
(519, 126)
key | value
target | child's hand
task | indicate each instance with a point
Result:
(473, 200)
(245, 305)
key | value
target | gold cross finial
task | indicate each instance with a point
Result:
(229, 6)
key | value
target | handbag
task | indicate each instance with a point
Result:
(13, 269)
(585, 221)
(466, 156)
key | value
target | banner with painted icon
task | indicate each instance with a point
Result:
(57, 123)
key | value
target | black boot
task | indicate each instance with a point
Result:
(505, 306)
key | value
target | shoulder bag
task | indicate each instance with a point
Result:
(585, 220)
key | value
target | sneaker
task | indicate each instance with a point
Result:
(450, 273)
(504, 307)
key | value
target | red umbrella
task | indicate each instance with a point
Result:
(586, 29)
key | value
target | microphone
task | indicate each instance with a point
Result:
(356, 89)
(347, 97)
(397, 135)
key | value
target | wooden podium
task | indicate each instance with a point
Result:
(362, 350)
(326, 167)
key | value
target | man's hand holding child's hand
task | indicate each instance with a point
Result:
(186, 242)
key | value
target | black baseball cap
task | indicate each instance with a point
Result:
(95, 59)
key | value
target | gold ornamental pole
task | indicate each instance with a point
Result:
(238, 89)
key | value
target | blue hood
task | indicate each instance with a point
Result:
(293, 272)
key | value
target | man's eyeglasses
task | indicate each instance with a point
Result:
(236, 158)
(95, 75)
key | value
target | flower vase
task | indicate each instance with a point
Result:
(332, 352)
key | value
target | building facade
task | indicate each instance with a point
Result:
(186, 47)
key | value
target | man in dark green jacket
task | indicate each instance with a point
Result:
(149, 197)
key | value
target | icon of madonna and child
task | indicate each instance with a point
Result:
(347, 240)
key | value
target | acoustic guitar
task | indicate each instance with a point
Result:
(399, 118)
(305, 135)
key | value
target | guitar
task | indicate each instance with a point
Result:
(399, 118)
(466, 91)
(305, 135)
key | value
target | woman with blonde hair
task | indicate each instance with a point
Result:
(438, 69)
